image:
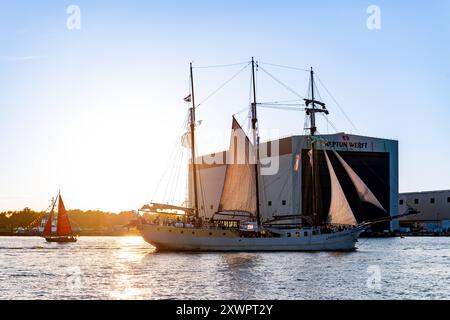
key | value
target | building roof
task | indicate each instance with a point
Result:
(424, 192)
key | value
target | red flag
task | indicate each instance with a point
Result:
(188, 98)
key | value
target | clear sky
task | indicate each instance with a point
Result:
(96, 111)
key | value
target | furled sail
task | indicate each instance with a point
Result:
(239, 189)
(186, 140)
(340, 211)
(364, 193)
(63, 226)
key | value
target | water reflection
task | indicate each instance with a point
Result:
(239, 260)
(129, 268)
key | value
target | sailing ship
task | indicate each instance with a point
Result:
(239, 202)
(57, 226)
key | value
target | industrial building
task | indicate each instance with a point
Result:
(374, 160)
(433, 207)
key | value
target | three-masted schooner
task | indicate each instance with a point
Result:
(63, 231)
(240, 198)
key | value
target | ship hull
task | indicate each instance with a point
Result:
(61, 239)
(183, 239)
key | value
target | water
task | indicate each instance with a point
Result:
(129, 268)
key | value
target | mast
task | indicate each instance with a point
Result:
(255, 142)
(311, 112)
(192, 124)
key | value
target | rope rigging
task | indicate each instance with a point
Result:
(221, 65)
(283, 66)
(288, 105)
(337, 103)
(223, 85)
(281, 83)
(168, 177)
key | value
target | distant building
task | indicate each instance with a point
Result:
(374, 160)
(434, 207)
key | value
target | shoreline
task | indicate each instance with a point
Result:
(137, 234)
(87, 234)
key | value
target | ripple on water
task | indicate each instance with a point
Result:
(118, 268)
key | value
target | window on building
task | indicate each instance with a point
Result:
(401, 202)
(416, 201)
(283, 202)
(270, 203)
(212, 207)
(432, 200)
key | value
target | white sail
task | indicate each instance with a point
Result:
(340, 211)
(239, 189)
(186, 140)
(364, 193)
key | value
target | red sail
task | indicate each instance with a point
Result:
(63, 227)
(48, 225)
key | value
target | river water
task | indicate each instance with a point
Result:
(129, 268)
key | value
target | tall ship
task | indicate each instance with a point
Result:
(57, 227)
(238, 224)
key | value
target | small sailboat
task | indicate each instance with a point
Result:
(57, 226)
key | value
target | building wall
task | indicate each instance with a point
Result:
(282, 193)
(422, 201)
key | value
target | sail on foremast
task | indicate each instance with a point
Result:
(340, 211)
(364, 193)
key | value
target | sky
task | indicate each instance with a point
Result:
(96, 112)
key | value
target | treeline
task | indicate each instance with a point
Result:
(93, 220)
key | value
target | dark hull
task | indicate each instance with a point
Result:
(62, 239)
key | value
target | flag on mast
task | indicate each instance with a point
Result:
(188, 98)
